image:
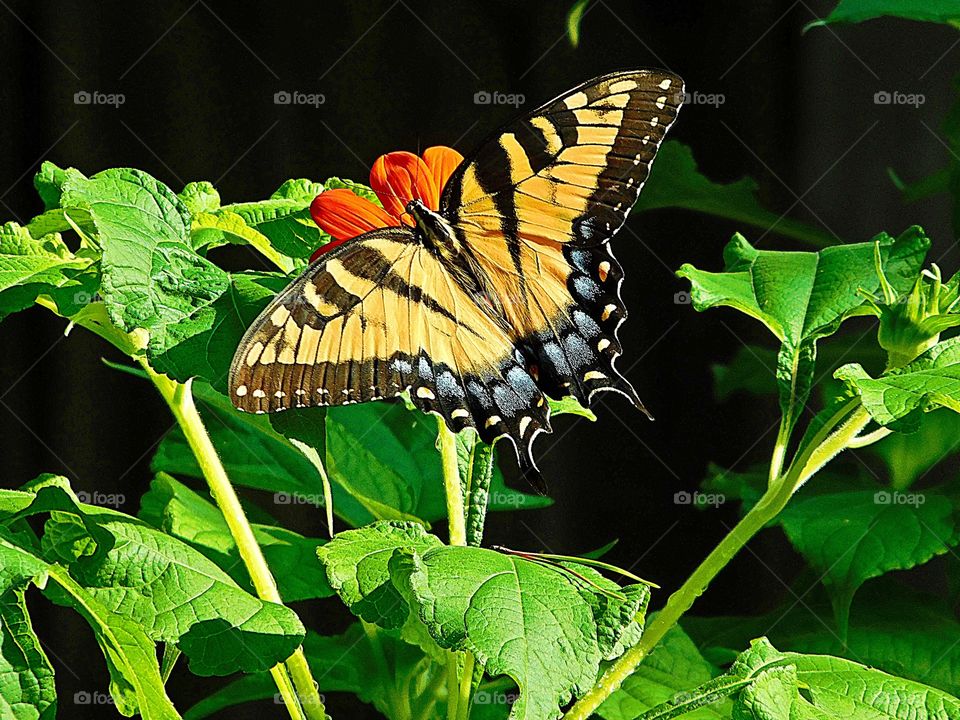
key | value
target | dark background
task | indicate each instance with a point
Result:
(199, 79)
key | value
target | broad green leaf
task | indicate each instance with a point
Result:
(675, 182)
(204, 346)
(49, 182)
(358, 189)
(179, 511)
(152, 278)
(27, 690)
(899, 397)
(200, 197)
(213, 229)
(839, 688)
(285, 222)
(30, 267)
(171, 591)
(854, 11)
(298, 189)
(26, 677)
(135, 682)
(849, 536)
(673, 668)
(379, 669)
(520, 618)
(895, 630)
(357, 565)
(909, 457)
(802, 297)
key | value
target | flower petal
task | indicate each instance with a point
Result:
(442, 161)
(399, 177)
(343, 215)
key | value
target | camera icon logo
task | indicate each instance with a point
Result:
(82, 97)
(882, 497)
(282, 97)
(281, 498)
(882, 97)
(682, 498)
(681, 298)
(482, 97)
(82, 698)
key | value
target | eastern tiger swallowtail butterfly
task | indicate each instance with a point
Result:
(504, 295)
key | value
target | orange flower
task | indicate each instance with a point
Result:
(396, 178)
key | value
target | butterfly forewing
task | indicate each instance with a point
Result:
(536, 207)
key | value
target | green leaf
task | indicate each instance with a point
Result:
(849, 536)
(909, 457)
(675, 182)
(804, 296)
(298, 189)
(152, 278)
(134, 673)
(200, 197)
(177, 510)
(520, 618)
(358, 189)
(379, 669)
(923, 649)
(854, 11)
(357, 565)
(31, 267)
(204, 346)
(27, 690)
(899, 397)
(49, 182)
(673, 668)
(570, 406)
(169, 590)
(285, 222)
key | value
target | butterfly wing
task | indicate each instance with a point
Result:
(374, 317)
(536, 205)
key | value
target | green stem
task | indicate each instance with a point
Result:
(779, 451)
(466, 688)
(456, 515)
(180, 399)
(457, 524)
(772, 502)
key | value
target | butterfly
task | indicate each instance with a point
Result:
(505, 294)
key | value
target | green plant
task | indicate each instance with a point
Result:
(452, 629)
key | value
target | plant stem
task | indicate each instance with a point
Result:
(458, 706)
(779, 452)
(180, 399)
(769, 506)
(456, 515)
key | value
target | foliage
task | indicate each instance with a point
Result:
(453, 630)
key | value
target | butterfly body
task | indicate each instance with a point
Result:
(503, 294)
